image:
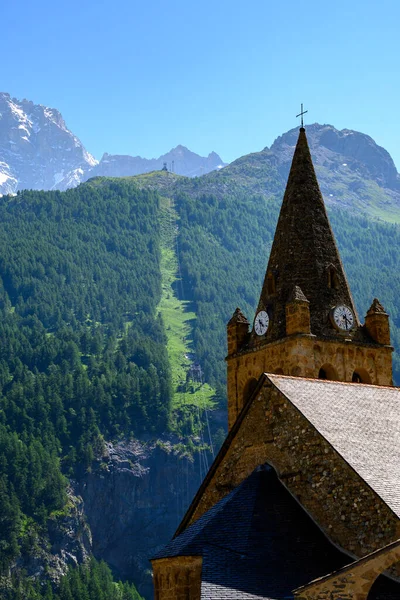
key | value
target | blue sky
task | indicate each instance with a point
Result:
(139, 77)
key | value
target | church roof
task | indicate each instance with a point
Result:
(361, 422)
(304, 253)
(256, 543)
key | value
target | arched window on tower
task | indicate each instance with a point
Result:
(361, 376)
(333, 281)
(327, 372)
(271, 284)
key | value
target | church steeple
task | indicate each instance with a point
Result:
(306, 322)
(304, 253)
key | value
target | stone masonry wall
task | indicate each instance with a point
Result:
(303, 356)
(177, 578)
(342, 504)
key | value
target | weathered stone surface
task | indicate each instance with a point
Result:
(238, 317)
(304, 281)
(304, 355)
(237, 328)
(297, 313)
(297, 295)
(303, 253)
(377, 323)
(272, 430)
(177, 578)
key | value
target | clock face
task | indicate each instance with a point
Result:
(261, 322)
(343, 317)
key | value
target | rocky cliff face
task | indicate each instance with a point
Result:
(37, 150)
(122, 510)
(134, 499)
(47, 552)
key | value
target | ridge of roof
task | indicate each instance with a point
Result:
(274, 376)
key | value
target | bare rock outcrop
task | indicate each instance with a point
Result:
(134, 499)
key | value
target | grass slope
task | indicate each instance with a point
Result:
(189, 395)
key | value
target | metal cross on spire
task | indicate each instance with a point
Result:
(301, 113)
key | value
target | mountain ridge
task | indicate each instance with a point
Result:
(180, 160)
(326, 141)
(358, 175)
(38, 151)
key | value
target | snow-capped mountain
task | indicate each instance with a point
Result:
(37, 150)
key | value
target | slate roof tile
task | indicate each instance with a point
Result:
(256, 543)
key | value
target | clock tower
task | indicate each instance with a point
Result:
(306, 323)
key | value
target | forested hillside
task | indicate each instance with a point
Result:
(90, 581)
(82, 354)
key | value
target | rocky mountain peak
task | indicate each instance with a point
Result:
(334, 149)
(37, 150)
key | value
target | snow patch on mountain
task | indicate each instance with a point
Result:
(4, 177)
(37, 150)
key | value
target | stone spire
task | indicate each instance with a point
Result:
(377, 323)
(304, 253)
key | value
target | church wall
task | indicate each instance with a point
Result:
(303, 356)
(177, 578)
(341, 503)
